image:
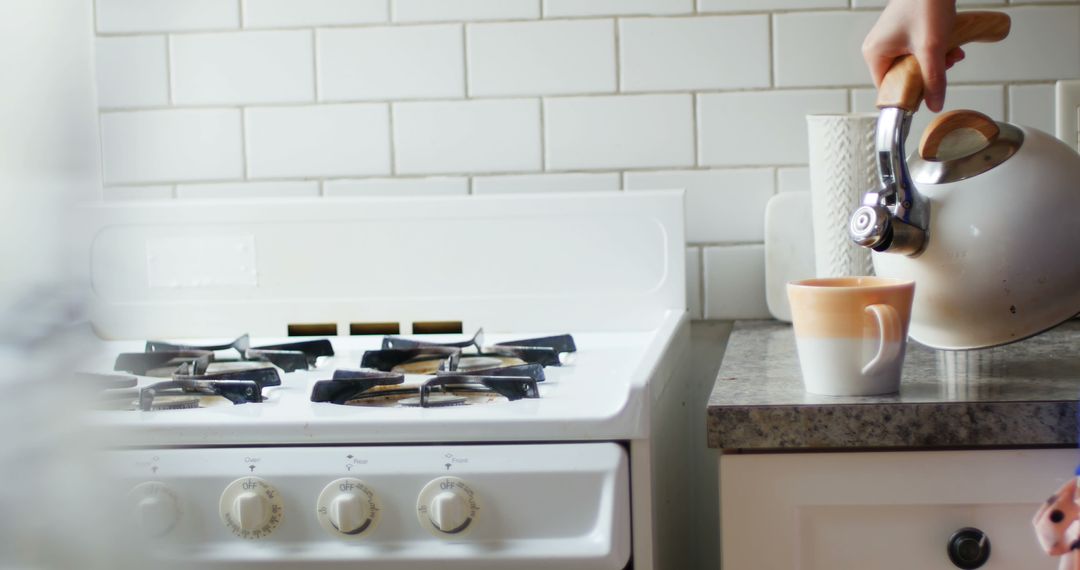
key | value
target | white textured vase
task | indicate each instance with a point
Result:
(841, 169)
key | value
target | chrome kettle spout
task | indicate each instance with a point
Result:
(894, 217)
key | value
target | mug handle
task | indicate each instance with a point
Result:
(889, 326)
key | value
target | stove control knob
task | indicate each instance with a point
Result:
(251, 508)
(447, 507)
(154, 508)
(348, 508)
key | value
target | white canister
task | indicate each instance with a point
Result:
(842, 169)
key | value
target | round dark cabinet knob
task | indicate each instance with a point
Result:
(969, 548)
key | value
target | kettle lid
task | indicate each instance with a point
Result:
(962, 144)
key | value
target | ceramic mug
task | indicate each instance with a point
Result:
(851, 333)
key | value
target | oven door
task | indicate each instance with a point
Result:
(540, 506)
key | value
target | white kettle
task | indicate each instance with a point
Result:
(985, 220)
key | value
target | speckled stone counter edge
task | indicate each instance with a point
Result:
(946, 425)
(758, 404)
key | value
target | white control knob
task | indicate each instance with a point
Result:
(251, 508)
(155, 508)
(348, 508)
(449, 511)
(447, 507)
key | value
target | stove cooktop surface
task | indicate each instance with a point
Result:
(594, 394)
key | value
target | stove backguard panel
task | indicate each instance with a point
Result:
(598, 261)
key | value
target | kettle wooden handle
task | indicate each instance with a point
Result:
(902, 85)
(946, 123)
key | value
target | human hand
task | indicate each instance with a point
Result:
(920, 28)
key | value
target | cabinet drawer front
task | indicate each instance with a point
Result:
(896, 510)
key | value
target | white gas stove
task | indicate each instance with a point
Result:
(520, 448)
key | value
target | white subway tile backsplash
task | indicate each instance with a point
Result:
(1044, 44)
(760, 5)
(760, 128)
(467, 136)
(630, 131)
(735, 282)
(541, 58)
(1032, 106)
(464, 10)
(793, 179)
(391, 63)
(985, 99)
(721, 205)
(324, 140)
(125, 16)
(817, 49)
(295, 13)
(693, 282)
(171, 145)
(372, 98)
(560, 8)
(434, 186)
(275, 189)
(117, 193)
(132, 71)
(243, 67)
(665, 54)
(533, 183)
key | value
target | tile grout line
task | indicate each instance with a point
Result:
(772, 52)
(244, 144)
(465, 88)
(618, 57)
(477, 174)
(695, 129)
(543, 136)
(169, 70)
(847, 89)
(315, 61)
(393, 146)
(240, 6)
(1006, 100)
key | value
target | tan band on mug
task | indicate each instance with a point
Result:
(836, 307)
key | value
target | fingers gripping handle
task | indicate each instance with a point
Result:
(902, 85)
(890, 334)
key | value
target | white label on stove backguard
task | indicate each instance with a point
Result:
(203, 261)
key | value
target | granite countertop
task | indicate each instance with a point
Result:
(1019, 395)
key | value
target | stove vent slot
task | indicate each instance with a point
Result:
(437, 327)
(313, 329)
(359, 329)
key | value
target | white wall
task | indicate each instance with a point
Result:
(239, 98)
(49, 153)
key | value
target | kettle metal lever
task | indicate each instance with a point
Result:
(894, 217)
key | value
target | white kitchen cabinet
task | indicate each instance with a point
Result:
(884, 510)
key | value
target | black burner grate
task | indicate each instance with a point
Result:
(511, 370)
(192, 372)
